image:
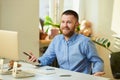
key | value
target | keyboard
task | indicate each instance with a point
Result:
(6, 73)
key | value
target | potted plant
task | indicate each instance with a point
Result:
(53, 27)
(49, 23)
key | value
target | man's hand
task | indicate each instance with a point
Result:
(33, 59)
(99, 73)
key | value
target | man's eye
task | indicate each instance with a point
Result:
(69, 22)
(62, 22)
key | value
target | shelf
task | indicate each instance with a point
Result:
(45, 41)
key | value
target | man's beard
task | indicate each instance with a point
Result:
(69, 34)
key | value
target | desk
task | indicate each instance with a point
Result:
(55, 74)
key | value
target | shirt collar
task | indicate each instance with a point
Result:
(72, 38)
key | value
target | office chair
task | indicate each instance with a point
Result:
(115, 64)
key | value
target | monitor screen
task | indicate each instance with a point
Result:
(8, 45)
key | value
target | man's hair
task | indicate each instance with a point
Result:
(71, 12)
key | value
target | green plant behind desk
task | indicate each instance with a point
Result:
(49, 22)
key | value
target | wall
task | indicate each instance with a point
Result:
(0, 12)
(116, 17)
(22, 16)
(91, 13)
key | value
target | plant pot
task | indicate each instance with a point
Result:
(43, 35)
(53, 32)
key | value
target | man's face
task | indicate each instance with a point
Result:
(68, 25)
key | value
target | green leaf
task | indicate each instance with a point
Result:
(97, 39)
(78, 28)
(105, 41)
(48, 21)
(47, 18)
(101, 39)
(108, 44)
(47, 30)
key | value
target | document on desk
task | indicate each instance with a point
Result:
(47, 72)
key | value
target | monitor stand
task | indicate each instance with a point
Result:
(2, 70)
(19, 73)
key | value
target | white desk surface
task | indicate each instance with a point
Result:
(42, 74)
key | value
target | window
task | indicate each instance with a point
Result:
(43, 8)
(54, 8)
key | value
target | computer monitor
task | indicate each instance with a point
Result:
(9, 45)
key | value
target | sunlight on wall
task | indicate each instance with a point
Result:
(116, 17)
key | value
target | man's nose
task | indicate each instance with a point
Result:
(65, 24)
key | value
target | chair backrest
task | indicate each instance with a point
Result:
(115, 64)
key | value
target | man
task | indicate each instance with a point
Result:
(73, 51)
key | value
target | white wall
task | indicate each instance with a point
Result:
(22, 16)
(100, 13)
(0, 12)
(116, 17)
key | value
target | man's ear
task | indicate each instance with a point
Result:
(77, 24)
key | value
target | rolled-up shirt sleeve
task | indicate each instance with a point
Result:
(92, 55)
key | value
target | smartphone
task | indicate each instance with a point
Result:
(66, 75)
(27, 54)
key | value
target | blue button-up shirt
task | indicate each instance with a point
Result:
(77, 54)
